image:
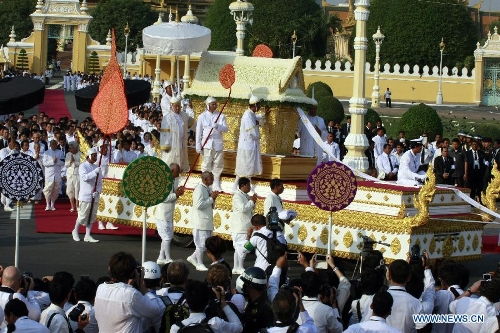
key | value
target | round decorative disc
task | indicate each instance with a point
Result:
(227, 76)
(331, 186)
(22, 176)
(262, 51)
(147, 181)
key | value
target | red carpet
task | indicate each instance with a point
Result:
(54, 104)
(62, 221)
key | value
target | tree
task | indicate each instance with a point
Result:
(115, 14)
(223, 27)
(273, 25)
(330, 108)
(372, 116)
(413, 30)
(94, 62)
(421, 119)
(16, 13)
(22, 60)
(318, 85)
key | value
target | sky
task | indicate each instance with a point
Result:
(488, 5)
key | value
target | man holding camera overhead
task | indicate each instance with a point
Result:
(15, 285)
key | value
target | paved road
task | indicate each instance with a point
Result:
(45, 254)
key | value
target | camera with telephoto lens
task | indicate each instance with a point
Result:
(273, 220)
(76, 312)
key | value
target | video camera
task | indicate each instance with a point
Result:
(273, 220)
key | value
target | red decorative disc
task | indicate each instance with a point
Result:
(262, 51)
(227, 76)
(331, 186)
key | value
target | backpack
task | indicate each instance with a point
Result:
(203, 326)
(174, 313)
(275, 248)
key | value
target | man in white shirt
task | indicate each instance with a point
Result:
(164, 215)
(202, 216)
(53, 161)
(119, 306)
(248, 157)
(256, 240)
(379, 141)
(72, 163)
(449, 275)
(273, 199)
(326, 318)
(197, 297)
(405, 305)
(88, 197)
(84, 292)
(409, 167)
(166, 96)
(243, 208)
(16, 315)
(333, 147)
(54, 317)
(381, 306)
(285, 306)
(16, 286)
(489, 294)
(209, 142)
(387, 164)
(124, 155)
(308, 146)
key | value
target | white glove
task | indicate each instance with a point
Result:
(215, 126)
(95, 194)
(198, 151)
(486, 163)
(97, 170)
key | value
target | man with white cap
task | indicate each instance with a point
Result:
(88, 196)
(248, 158)
(173, 141)
(165, 98)
(152, 276)
(211, 124)
(409, 173)
(72, 163)
(308, 145)
(103, 160)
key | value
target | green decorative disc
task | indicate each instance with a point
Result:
(147, 181)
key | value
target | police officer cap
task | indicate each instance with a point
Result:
(255, 277)
(416, 142)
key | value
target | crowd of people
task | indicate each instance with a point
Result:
(149, 297)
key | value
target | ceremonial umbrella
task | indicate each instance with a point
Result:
(19, 94)
(136, 91)
(176, 38)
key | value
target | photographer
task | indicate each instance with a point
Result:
(371, 282)
(286, 307)
(17, 286)
(16, 316)
(121, 304)
(84, 292)
(54, 317)
(489, 293)
(326, 318)
(405, 305)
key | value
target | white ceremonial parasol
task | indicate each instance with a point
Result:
(176, 38)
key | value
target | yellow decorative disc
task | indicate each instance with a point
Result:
(147, 181)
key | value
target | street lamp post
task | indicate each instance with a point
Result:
(439, 98)
(378, 38)
(242, 14)
(126, 31)
(294, 41)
